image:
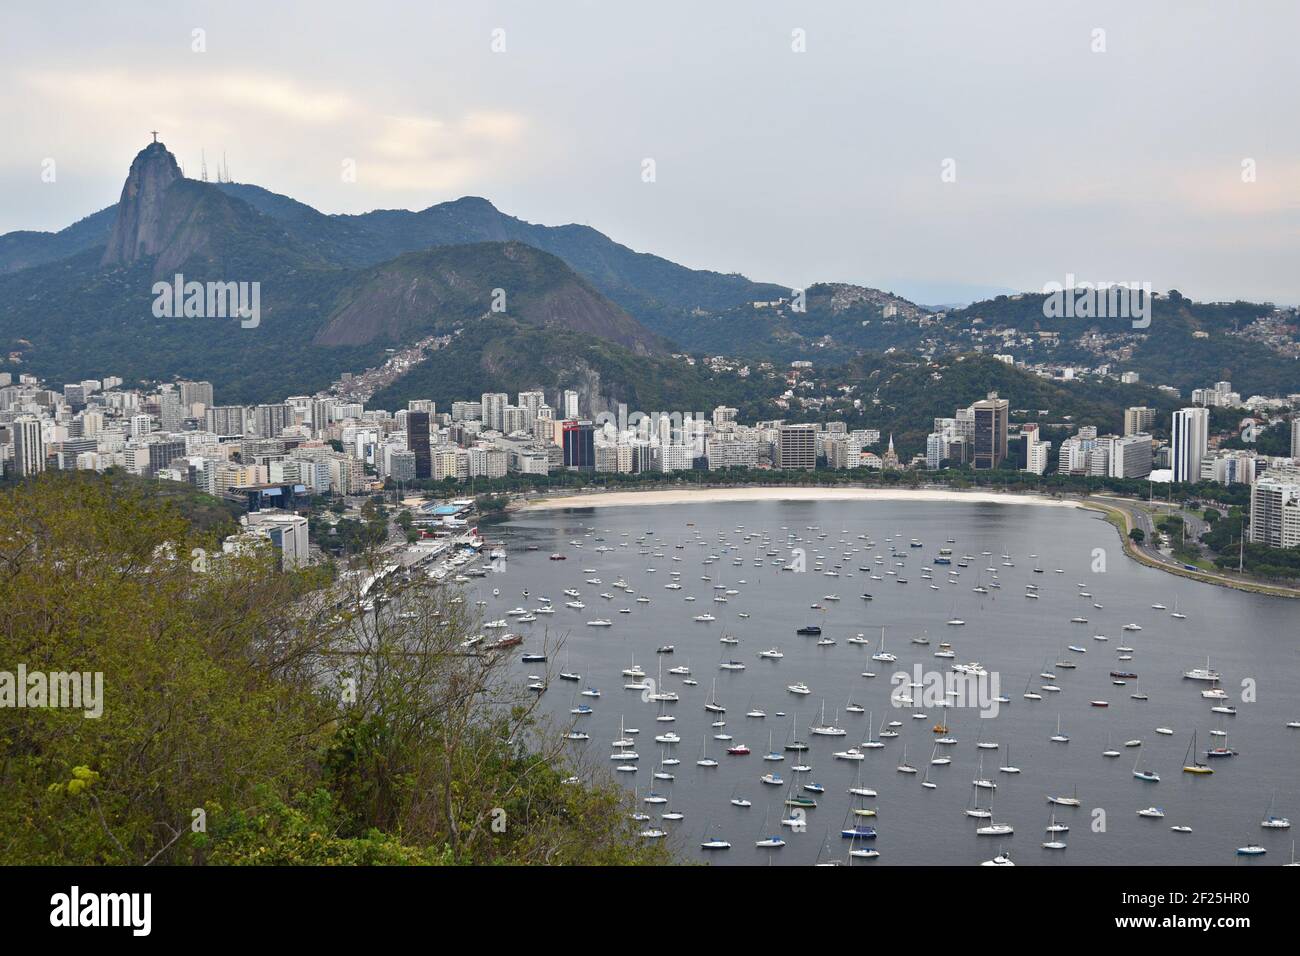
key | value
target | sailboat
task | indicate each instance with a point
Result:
(1150, 776)
(705, 760)
(1271, 822)
(925, 779)
(771, 841)
(1029, 694)
(823, 729)
(713, 706)
(1009, 767)
(715, 843)
(772, 754)
(670, 814)
(904, 766)
(1058, 737)
(858, 790)
(1070, 801)
(1054, 828)
(992, 828)
(1223, 750)
(882, 654)
(1194, 765)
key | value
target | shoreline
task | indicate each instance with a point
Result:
(1119, 516)
(616, 499)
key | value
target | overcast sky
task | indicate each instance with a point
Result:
(791, 167)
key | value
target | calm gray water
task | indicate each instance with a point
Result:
(1247, 637)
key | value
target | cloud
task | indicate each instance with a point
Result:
(395, 152)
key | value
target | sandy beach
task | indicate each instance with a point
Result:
(614, 499)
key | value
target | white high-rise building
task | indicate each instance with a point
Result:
(1191, 430)
(29, 447)
(1275, 512)
(531, 402)
(569, 402)
(141, 425)
(1036, 450)
(1130, 456)
(494, 408)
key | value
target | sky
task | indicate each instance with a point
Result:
(940, 150)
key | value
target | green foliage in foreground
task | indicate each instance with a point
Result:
(224, 736)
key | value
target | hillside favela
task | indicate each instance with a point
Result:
(782, 452)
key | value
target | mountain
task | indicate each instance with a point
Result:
(1187, 344)
(143, 226)
(506, 355)
(437, 289)
(96, 310)
(24, 249)
(834, 322)
(338, 291)
(640, 282)
(643, 284)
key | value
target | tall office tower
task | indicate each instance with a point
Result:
(196, 393)
(531, 402)
(494, 404)
(322, 414)
(225, 419)
(92, 423)
(29, 447)
(569, 402)
(579, 443)
(1275, 512)
(417, 441)
(1036, 454)
(796, 447)
(171, 411)
(1191, 430)
(1295, 437)
(1138, 420)
(990, 431)
(514, 419)
(270, 421)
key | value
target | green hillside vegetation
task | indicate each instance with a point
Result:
(1166, 352)
(248, 717)
(912, 393)
(502, 354)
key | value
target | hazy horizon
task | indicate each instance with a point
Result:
(789, 167)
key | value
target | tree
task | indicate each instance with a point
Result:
(1137, 535)
(251, 715)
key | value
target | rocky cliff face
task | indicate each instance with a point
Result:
(138, 231)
